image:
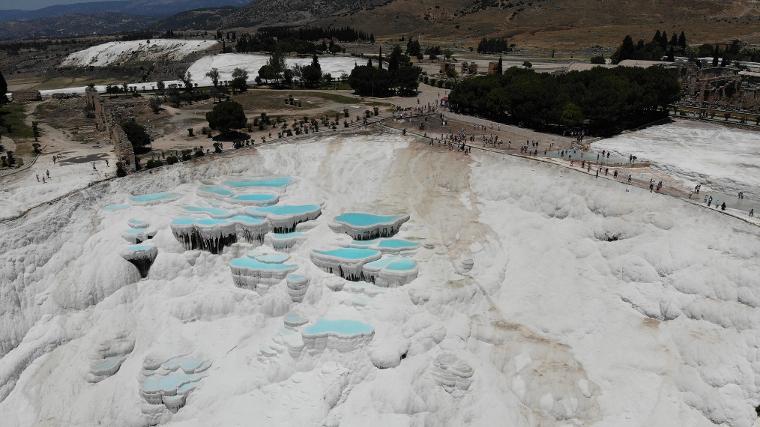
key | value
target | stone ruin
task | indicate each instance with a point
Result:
(105, 121)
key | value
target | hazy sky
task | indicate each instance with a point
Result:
(36, 4)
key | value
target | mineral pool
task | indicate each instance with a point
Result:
(273, 182)
(350, 253)
(142, 199)
(256, 265)
(342, 327)
(361, 219)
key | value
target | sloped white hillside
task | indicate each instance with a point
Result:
(113, 53)
(544, 297)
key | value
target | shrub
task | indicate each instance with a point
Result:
(153, 163)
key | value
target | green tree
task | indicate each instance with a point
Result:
(225, 116)
(598, 59)
(413, 48)
(396, 59)
(312, 73)
(174, 97)
(240, 79)
(625, 51)
(187, 80)
(137, 135)
(155, 104)
(572, 115)
(277, 63)
(266, 72)
(213, 74)
(407, 80)
(370, 81)
(3, 89)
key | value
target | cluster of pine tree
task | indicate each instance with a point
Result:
(3, 89)
(401, 77)
(343, 34)
(493, 45)
(734, 51)
(264, 43)
(660, 47)
(604, 101)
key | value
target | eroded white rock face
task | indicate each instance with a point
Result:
(391, 271)
(452, 373)
(284, 218)
(347, 263)
(166, 383)
(389, 353)
(141, 256)
(108, 357)
(673, 300)
(255, 275)
(343, 335)
(298, 284)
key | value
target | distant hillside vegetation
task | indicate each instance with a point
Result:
(546, 23)
(102, 17)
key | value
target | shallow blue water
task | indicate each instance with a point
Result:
(589, 156)
(386, 243)
(253, 264)
(272, 258)
(183, 220)
(168, 383)
(154, 197)
(216, 189)
(136, 223)
(255, 197)
(285, 209)
(246, 220)
(350, 253)
(215, 212)
(397, 244)
(285, 236)
(187, 363)
(362, 219)
(275, 182)
(210, 221)
(340, 327)
(139, 247)
(108, 364)
(402, 265)
(115, 207)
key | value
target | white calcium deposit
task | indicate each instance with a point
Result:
(552, 325)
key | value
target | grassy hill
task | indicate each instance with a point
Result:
(537, 23)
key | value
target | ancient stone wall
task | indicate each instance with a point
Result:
(107, 121)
